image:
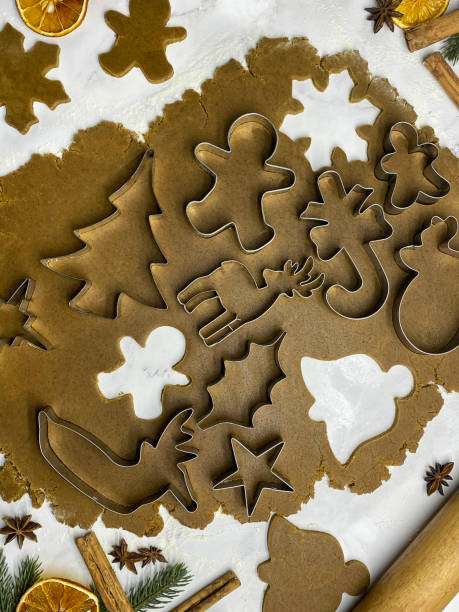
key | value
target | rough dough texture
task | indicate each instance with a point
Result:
(47, 199)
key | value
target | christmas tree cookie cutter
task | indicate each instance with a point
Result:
(47, 415)
(264, 227)
(362, 256)
(271, 453)
(431, 152)
(446, 248)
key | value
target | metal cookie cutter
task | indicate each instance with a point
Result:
(19, 301)
(361, 255)
(430, 150)
(225, 154)
(447, 249)
(269, 456)
(47, 414)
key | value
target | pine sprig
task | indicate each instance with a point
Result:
(13, 587)
(450, 48)
(156, 591)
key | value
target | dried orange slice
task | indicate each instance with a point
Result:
(52, 17)
(418, 11)
(58, 595)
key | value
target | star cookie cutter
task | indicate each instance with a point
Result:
(446, 248)
(228, 482)
(366, 249)
(47, 414)
(268, 125)
(430, 150)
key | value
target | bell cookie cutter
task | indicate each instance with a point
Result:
(429, 149)
(221, 283)
(270, 454)
(255, 118)
(447, 249)
(365, 250)
(47, 414)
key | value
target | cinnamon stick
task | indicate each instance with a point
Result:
(211, 594)
(430, 32)
(444, 75)
(110, 590)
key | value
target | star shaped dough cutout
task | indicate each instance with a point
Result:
(23, 81)
(254, 473)
(141, 40)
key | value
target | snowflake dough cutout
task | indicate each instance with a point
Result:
(141, 40)
(355, 398)
(23, 81)
(330, 127)
(146, 371)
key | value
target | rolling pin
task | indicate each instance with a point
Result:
(426, 576)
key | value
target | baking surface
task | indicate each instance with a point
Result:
(372, 528)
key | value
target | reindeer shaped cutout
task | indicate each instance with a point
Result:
(240, 296)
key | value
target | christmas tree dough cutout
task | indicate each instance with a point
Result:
(344, 223)
(103, 265)
(15, 321)
(118, 484)
(146, 371)
(141, 40)
(427, 309)
(254, 473)
(234, 201)
(23, 80)
(306, 570)
(355, 398)
(241, 299)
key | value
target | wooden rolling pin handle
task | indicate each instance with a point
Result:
(426, 576)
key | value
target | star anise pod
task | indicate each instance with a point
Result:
(19, 528)
(151, 555)
(438, 477)
(383, 14)
(124, 557)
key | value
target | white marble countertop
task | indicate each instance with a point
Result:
(373, 528)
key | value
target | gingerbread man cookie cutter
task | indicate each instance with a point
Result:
(47, 415)
(429, 149)
(264, 122)
(446, 248)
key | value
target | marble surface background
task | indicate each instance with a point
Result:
(372, 528)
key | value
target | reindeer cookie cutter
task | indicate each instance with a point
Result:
(255, 118)
(220, 283)
(429, 149)
(453, 343)
(366, 247)
(47, 414)
(229, 482)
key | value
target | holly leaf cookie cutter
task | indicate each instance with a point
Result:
(119, 470)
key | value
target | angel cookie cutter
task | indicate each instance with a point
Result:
(257, 120)
(271, 453)
(429, 149)
(47, 415)
(446, 248)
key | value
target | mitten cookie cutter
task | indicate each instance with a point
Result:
(453, 343)
(228, 483)
(47, 414)
(429, 149)
(268, 125)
